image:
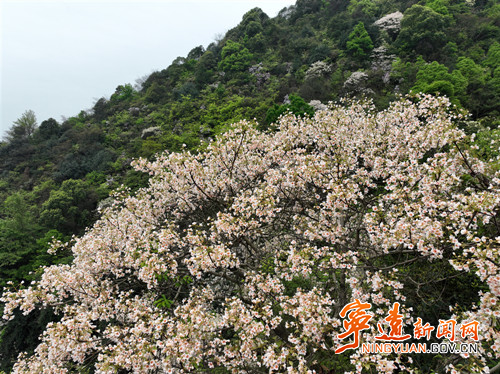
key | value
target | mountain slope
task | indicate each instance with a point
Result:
(51, 181)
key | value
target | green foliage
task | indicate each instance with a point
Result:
(135, 180)
(362, 8)
(69, 207)
(196, 53)
(474, 73)
(22, 335)
(23, 127)
(48, 129)
(163, 302)
(359, 44)
(493, 56)
(16, 231)
(296, 106)
(123, 93)
(235, 58)
(17, 211)
(439, 6)
(495, 82)
(155, 93)
(206, 68)
(422, 32)
(150, 147)
(43, 258)
(95, 178)
(434, 78)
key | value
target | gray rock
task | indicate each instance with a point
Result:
(134, 111)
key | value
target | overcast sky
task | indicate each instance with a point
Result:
(58, 57)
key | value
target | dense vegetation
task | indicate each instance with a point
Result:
(54, 175)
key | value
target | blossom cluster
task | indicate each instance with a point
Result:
(390, 22)
(242, 256)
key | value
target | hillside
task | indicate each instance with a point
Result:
(53, 178)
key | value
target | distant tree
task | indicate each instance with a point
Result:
(434, 78)
(253, 28)
(155, 93)
(359, 44)
(422, 31)
(438, 6)
(49, 128)
(17, 212)
(139, 82)
(100, 109)
(185, 90)
(207, 65)
(493, 56)
(319, 53)
(362, 8)
(303, 7)
(235, 58)
(255, 15)
(23, 127)
(196, 53)
(251, 24)
(69, 208)
(123, 93)
(17, 228)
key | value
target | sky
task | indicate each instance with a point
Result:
(59, 57)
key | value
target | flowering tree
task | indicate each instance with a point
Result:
(241, 257)
(390, 22)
